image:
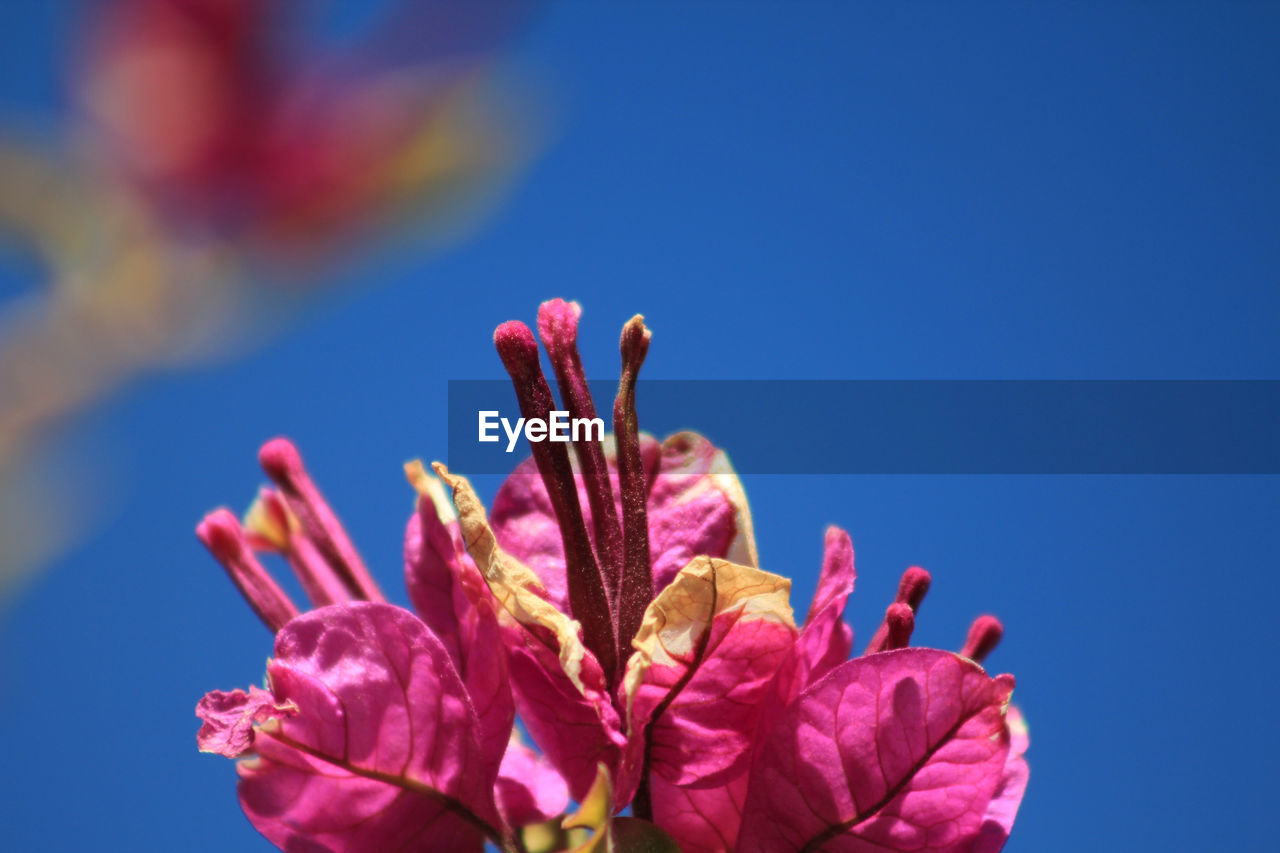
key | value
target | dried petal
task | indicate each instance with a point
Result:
(453, 600)
(706, 655)
(561, 691)
(229, 718)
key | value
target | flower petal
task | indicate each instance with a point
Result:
(229, 718)
(827, 639)
(896, 751)
(705, 657)
(525, 523)
(1013, 784)
(705, 820)
(383, 752)
(696, 507)
(560, 688)
(453, 600)
(529, 789)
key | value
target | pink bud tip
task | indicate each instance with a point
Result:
(984, 635)
(280, 460)
(517, 348)
(901, 621)
(913, 587)
(221, 534)
(558, 326)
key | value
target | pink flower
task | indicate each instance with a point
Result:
(614, 602)
(224, 116)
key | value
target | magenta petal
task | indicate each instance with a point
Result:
(454, 601)
(574, 724)
(383, 753)
(705, 659)
(529, 789)
(826, 640)
(1008, 796)
(559, 685)
(896, 751)
(229, 718)
(702, 820)
(696, 508)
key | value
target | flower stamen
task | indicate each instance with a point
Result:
(221, 534)
(588, 597)
(317, 522)
(270, 526)
(899, 622)
(637, 576)
(984, 635)
(558, 329)
(912, 589)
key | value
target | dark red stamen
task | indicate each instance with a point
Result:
(899, 622)
(558, 329)
(637, 573)
(283, 464)
(913, 587)
(221, 534)
(911, 592)
(588, 597)
(984, 635)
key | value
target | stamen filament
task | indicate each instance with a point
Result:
(283, 464)
(588, 596)
(221, 534)
(269, 526)
(558, 329)
(637, 575)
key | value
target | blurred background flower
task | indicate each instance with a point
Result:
(223, 156)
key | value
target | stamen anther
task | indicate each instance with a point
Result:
(899, 622)
(984, 635)
(911, 592)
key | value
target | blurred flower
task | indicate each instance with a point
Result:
(614, 603)
(220, 157)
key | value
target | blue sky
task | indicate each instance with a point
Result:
(785, 190)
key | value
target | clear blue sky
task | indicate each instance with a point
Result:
(785, 190)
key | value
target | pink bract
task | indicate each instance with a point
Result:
(614, 606)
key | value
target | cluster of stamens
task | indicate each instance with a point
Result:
(294, 520)
(610, 581)
(609, 574)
